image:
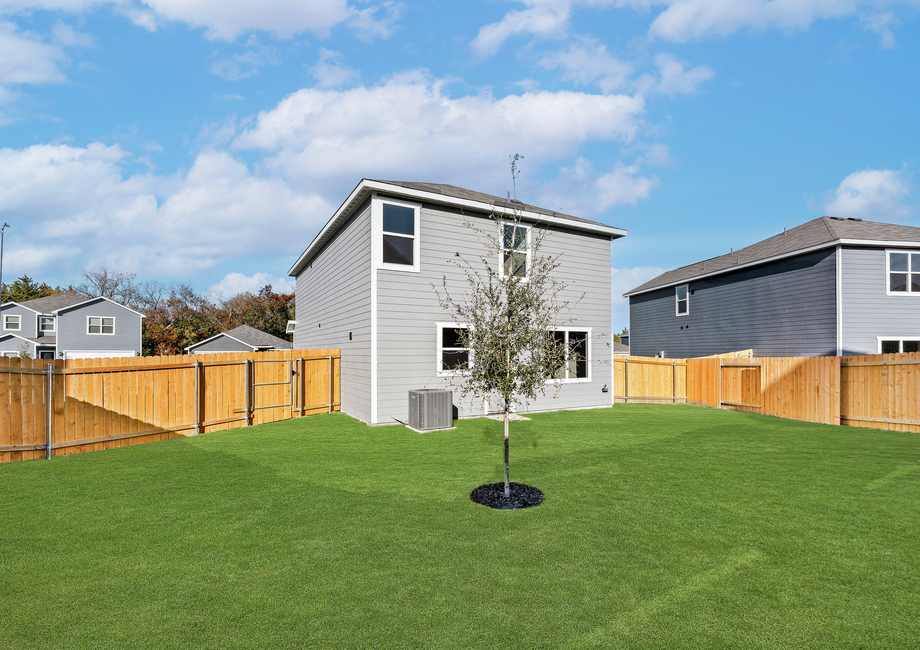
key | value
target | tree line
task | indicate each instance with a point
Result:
(177, 315)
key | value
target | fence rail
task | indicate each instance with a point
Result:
(63, 407)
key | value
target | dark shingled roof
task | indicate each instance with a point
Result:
(817, 232)
(48, 304)
(45, 340)
(258, 338)
(470, 195)
(620, 348)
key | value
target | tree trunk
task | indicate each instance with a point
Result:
(507, 482)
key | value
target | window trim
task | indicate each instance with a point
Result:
(10, 355)
(501, 254)
(378, 232)
(7, 328)
(899, 339)
(589, 335)
(677, 300)
(888, 271)
(53, 324)
(101, 326)
(441, 326)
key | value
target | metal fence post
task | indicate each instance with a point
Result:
(331, 388)
(49, 377)
(247, 389)
(674, 379)
(626, 381)
(302, 382)
(197, 397)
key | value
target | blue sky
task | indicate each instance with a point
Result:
(207, 142)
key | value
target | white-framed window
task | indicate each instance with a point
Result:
(46, 323)
(453, 358)
(682, 299)
(100, 325)
(577, 364)
(396, 234)
(903, 270)
(897, 344)
(12, 322)
(515, 256)
(11, 355)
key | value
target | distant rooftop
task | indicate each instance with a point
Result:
(49, 304)
(817, 233)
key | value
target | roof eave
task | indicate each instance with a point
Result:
(366, 187)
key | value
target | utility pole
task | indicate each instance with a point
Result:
(2, 228)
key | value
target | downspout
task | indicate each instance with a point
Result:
(839, 261)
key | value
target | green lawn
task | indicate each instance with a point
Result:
(663, 527)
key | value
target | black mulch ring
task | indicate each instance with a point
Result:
(493, 496)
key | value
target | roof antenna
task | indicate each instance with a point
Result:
(784, 230)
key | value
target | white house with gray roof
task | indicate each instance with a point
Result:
(831, 286)
(240, 339)
(366, 285)
(69, 326)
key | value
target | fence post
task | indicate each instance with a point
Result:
(197, 397)
(301, 381)
(49, 378)
(674, 379)
(247, 390)
(626, 381)
(331, 388)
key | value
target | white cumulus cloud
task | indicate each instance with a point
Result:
(409, 125)
(874, 194)
(237, 283)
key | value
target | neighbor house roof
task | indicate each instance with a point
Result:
(620, 348)
(446, 195)
(49, 304)
(813, 235)
(252, 337)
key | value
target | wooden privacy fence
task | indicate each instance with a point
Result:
(881, 391)
(644, 380)
(64, 407)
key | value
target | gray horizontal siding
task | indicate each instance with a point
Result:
(867, 311)
(72, 329)
(12, 344)
(408, 310)
(333, 299)
(28, 320)
(785, 308)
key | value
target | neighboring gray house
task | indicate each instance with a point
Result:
(240, 339)
(70, 326)
(831, 286)
(366, 285)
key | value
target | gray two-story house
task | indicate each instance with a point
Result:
(366, 285)
(69, 326)
(831, 286)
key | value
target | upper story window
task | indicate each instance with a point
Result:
(515, 249)
(903, 273)
(682, 299)
(396, 234)
(577, 354)
(100, 325)
(46, 323)
(453, 358)
(12, 322)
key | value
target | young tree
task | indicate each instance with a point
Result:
(510, 311)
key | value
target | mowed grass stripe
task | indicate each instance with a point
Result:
(663, 526)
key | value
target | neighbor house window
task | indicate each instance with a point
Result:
(46, 323)
(11, 355)
(100, 325)
(903, 272)
(515, 249)
(575, 363)
(399, 234)
(453, 358)
(892, 345)
(12, 322)
(682, 298)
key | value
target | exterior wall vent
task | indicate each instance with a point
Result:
(431, 408)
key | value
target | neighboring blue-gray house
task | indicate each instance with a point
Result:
(69, 326)
(366, 285)
(240, 339)
(831, 286)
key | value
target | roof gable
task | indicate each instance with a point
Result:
(49, 304)
(250, 336)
